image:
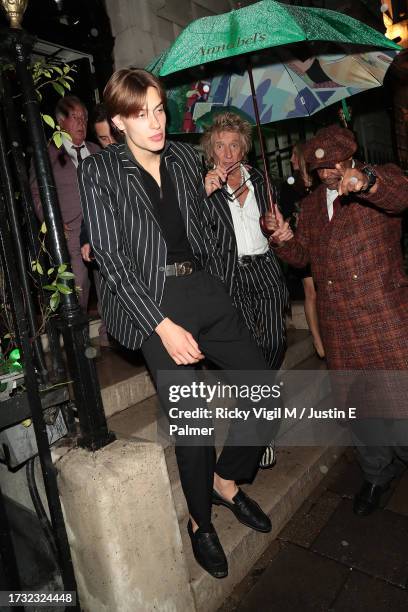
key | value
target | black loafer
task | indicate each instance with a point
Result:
(246, 510)
(368, 498)
(208, 551)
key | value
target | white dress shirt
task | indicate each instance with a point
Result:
(250, 239)
(332, 194)
(69, 147)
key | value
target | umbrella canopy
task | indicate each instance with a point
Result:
(303, 60)
(264, 25)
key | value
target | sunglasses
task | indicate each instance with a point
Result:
(223, 188)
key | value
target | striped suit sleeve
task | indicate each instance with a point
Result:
(100, 208)
(208, 222)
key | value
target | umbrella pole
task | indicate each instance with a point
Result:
(271, 203)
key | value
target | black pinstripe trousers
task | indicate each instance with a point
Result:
(261, 297)
(201, 304)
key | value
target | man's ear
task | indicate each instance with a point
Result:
(118, 123)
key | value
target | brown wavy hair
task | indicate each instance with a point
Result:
(125, 92)
(226, 122)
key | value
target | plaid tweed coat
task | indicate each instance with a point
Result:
(357, 265)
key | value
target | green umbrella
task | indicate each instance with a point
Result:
(259, 26)
(255, 31)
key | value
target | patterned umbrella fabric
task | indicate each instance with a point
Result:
(303, 59)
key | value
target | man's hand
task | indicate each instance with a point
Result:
(270, 221)
(86, 250)
(214, 180)
(283, 233)
(179, 343)
(353, 181)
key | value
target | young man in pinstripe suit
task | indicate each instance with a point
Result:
(161, 286)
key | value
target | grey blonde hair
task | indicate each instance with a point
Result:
(226, 122)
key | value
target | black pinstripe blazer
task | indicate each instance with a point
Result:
(126, 238)
(223, 227)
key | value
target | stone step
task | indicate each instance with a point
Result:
(297, 318)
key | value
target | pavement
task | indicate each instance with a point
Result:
(326, 559)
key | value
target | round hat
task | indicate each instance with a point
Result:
(329, 146)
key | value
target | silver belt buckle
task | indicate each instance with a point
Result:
(184, 268)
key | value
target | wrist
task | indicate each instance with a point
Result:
(162, 326)
(371, 176)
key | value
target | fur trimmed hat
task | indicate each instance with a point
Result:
(330, 145)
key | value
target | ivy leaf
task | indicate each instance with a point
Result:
(66, 275)
(43, 228)
(68, 78)
(49, 287)
(63, 289)
(54, 301)
(49, 121)
(65, 83)
(59, 89)
(50, 271)
(67, 69)
(62, 268)
(34, 266)
(57, 138)
(39, 268)
(58, 69)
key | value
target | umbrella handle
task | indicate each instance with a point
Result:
(271, 203)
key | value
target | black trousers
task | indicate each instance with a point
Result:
(201, 304)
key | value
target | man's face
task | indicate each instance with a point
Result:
(145, 131)
(104, 134)
(75, 124)
(332, 176)
(227, 149)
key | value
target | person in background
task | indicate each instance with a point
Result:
(106, 135)
(105, 132)
(72, 116)
(291, 194)
(253, 275)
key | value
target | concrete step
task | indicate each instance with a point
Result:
(297, 318)
(300, 347)
(123, 378)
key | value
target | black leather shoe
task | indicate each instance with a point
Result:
(247, 511)
(208, 551)
(368, 498)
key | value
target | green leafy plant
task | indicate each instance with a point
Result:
(58, 76)
(57, 277)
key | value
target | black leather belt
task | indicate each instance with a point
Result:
(182, 268)
(246, 260)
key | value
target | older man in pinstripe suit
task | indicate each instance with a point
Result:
(237, 198)
(161, 288)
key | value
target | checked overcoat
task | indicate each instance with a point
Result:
(357, 266)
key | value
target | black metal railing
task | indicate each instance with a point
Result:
(43, 385)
